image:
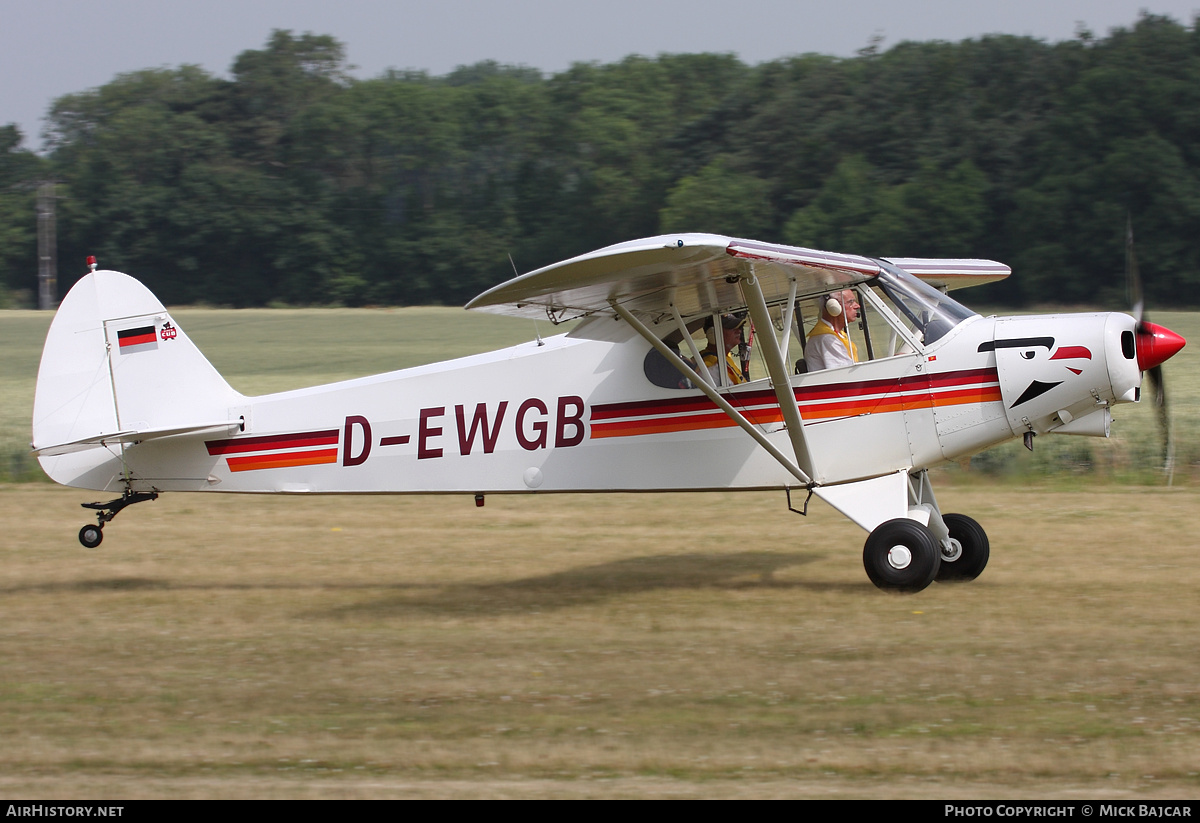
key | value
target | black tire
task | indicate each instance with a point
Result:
(90, 536)
(901, 556)
(975, 550)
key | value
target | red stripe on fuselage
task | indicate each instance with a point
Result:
(859, 389)
(815, 402)
(275, 441)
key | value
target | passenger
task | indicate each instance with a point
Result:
(829, 344)
(731, 329)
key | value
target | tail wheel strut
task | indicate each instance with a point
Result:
(90, 536)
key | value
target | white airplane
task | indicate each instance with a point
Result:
(126, 403)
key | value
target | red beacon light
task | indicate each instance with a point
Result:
(91, 261)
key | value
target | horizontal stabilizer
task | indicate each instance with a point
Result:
(223, 427)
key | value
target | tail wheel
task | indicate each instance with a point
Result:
(90, 536)
(973, 552)
(901, 555)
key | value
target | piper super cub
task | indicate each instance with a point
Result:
(126, 403)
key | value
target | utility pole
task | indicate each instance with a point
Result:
(47, 249)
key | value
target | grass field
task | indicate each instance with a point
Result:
(577, 646)
(605, 645)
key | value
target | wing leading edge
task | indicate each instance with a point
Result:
(697, 274)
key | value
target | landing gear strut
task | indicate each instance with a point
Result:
(909, 553)
(90, 536)
(969, 549)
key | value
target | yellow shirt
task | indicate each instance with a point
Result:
(732, 366)
(829, 355)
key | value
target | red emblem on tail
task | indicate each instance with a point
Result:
(168, 331)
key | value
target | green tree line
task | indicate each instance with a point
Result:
(293, 182)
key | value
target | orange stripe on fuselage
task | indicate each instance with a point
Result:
(282, 461)
(696, 422)
(810, 411)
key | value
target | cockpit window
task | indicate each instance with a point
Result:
(896, 314)
(931, 313)
(660, 372)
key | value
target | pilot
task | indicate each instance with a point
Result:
(731, 336)
(829, 344)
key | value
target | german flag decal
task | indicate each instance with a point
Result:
(143, 338)
(277, 451)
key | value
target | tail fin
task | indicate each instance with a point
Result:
(116, 368)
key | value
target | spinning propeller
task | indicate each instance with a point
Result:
(1154, 344)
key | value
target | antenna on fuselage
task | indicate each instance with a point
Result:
(536, 330)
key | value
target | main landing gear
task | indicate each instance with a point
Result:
(901, 555)
(905, 555)
(90, 536)
(969, 550)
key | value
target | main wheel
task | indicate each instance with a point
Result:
(901, 555)
(973, 557)
(90, 536)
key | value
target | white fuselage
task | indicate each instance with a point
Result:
(576, 412)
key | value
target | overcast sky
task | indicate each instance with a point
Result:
(52, 47)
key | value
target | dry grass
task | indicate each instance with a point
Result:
(572, 646)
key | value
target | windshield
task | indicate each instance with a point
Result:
(931, 313)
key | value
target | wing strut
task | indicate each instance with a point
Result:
(785, 335)
(776, 367)
(696, 356)
(711, 393)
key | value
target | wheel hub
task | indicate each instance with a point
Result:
(899, 557)
(951, 550)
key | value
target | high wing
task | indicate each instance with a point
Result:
(692, 274)
(698, 274)
(949, 274)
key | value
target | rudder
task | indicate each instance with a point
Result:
(116, 363)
